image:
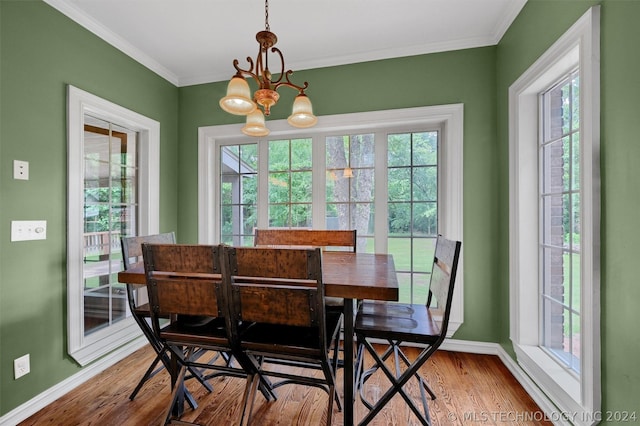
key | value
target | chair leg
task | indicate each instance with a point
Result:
(162, 356)
(398, 383)
(253, 380)
(423, 382)
(362, 376)
(332, 395)
(329, 371)
(151, 371)
(174, 394)
(250, 364)
(395, 349)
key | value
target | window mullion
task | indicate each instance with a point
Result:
(262, 201)
(319, 182)
(381, 192)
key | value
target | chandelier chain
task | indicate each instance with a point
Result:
(266, 15)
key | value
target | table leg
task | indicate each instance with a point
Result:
(348, 362)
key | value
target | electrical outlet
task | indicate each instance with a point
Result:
(21, 366)
(20, 170)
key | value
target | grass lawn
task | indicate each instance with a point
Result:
(410, 284)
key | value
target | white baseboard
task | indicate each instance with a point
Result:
(487, 348)
(37, 403)
(40, 401)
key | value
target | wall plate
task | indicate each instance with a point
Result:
(25, 230)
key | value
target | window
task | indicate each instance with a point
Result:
(560, 258)
(412, 183)
(110, 211)
(554, 220)
(113, 160)
(350, 171)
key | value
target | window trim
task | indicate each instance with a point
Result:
(450, 118)
(85, 349)
(578, 46)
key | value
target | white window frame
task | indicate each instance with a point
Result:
(579, 46)
(448, 118)
(85, 349)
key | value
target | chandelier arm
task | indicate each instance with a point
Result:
(288, 83)
(245, 73)
(262, 63)
(276, 50)
(277, 83)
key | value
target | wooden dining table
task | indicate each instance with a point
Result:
(348, 275)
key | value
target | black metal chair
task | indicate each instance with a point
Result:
(138, 300)
(327, 239)
(185, 284)
(408, 323)
(278, 316)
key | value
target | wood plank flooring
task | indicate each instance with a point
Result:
(470, 389)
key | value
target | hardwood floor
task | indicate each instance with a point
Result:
(469, 389)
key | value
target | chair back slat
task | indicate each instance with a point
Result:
(132, 246)
(273, 262)
(275, 286)
(184, 280)
(184, 258)
(443, 276)
(188, 296)
(306, 237)
(273, 302)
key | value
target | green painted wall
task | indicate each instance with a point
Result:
(466, 76)
(41, 52)
(620, 66)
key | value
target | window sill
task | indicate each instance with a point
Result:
(562, 387)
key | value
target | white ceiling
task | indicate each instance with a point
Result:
(195, 41)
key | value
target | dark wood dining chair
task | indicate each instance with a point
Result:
(138, 300)
(185, 284)
(398, 323)
(327, 239)
(277, 294)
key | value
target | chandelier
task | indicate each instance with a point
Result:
(239, 101)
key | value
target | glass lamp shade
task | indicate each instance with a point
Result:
(302, 115)
(255, 124)
(238, 100)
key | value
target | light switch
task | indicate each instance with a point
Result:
(20, 170)
(24, 230)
